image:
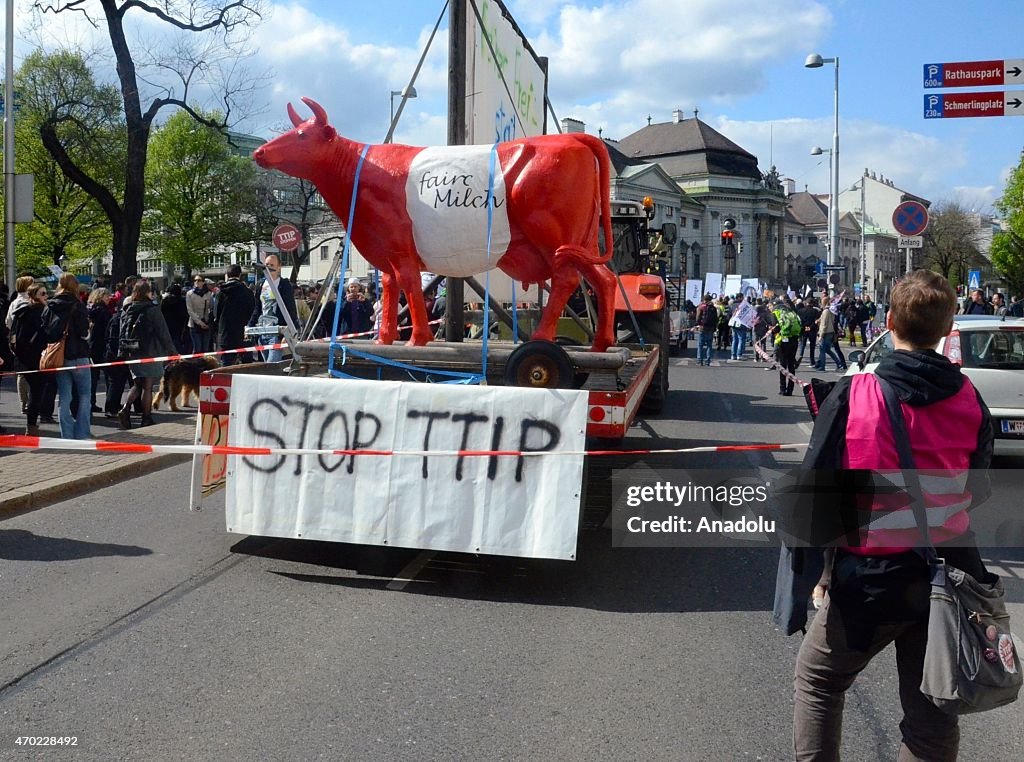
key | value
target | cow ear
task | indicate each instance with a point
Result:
(329, 132)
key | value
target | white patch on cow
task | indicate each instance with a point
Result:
(447, 195)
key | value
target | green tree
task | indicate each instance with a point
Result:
(1008, 246)
(204, 52)
(950, 242)
(198, 191)
(69, 225)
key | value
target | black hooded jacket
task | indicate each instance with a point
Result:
(66, 309)
(231, 311)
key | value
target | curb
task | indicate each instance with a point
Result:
(19, 501)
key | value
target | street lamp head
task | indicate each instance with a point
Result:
(409, 92)
(818, 151)
(814, 61)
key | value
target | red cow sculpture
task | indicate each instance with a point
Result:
(533, 210)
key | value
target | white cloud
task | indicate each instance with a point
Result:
(352, 81)
(917, 163)
(713, 50)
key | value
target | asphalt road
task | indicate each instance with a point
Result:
(149, 633)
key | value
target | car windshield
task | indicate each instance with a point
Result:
(994, 348)
(881, 347)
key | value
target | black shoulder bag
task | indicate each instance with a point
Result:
(970, 662)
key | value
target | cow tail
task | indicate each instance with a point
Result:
(604, 165)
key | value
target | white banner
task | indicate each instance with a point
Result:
(713, 284)
(752, 287)
(733, 284)
(505, 84)
(501, 505)
(693, 290)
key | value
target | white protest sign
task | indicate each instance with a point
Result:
(713, 283)
(504, 505)
(746, 313)
(751, 287)
(733, 284)
(693, 290)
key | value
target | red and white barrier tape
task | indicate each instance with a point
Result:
(17, 441)
(792, 377)
(212, 353)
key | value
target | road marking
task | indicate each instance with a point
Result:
(408, 574)
(806, 428)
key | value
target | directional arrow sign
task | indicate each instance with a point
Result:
(975, 73)
(991, 103)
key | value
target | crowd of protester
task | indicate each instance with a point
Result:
(105, 322)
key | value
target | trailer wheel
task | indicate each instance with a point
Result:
(654, 327)
(539, 365)
(579, 377)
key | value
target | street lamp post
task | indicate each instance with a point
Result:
(815, 61)
(832, 242)
(409, 92)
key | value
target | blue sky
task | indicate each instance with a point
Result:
(739, 61)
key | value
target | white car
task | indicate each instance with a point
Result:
(990, 350)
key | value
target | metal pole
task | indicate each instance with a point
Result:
(454, 323)
(863, 241)
(834, 235)
(11, 264)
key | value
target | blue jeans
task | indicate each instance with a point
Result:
(200, 340)
(76, 427)
(828, 348)
(705, 348)
(739, 342)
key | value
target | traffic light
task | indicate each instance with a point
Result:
(739, 247)
(727, 236)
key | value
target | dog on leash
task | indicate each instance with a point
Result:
(181, 378)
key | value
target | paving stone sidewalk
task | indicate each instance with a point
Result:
(32, 479)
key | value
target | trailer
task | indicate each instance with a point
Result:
(530, 394)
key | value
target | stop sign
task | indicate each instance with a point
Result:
(286, 237)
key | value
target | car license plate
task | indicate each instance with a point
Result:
(1013, 427)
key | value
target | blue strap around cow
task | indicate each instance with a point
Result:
(344, 268)
(487, 275)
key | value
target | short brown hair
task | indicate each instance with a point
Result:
(922, 309)
(22, 284)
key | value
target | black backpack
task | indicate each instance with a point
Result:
(133, 332)
(709, 320)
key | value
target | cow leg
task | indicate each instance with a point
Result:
(389, 308)
(564, 281)
(602, 280)
(412, 285)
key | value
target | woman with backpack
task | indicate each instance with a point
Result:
(143, 333)
(28, 340)
(65, 315)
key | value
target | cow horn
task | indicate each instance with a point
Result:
(319, 115)
(293, 115)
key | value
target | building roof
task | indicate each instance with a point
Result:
(806, 208)
(621, 162)
(689, 147)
